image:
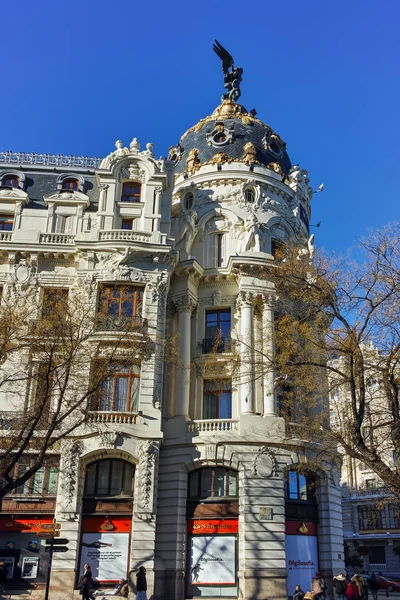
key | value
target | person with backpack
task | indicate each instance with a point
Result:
(318, 586)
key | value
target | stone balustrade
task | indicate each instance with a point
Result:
(212, 425)
(124, 235)
(112, 417)
(6, 236)
(63, 239)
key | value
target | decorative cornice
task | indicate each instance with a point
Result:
(53, 160)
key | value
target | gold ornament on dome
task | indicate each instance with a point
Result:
(220, 159)
(192, 162)
(275, 167)
(249, 156)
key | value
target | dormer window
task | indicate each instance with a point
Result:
(249, 195)
(70, 184)
(131, 191)
(188, 201)
(10, 181)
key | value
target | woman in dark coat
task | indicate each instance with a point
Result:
(141, 584)
(339, 583)
(85, 583)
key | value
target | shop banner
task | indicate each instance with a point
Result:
(213, 560)
(212, 526)
(15, 524)
(107, 554)
(301, 561)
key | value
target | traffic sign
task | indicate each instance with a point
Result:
(48, 534)
(56, 549)
(62, 541)
(50, 525)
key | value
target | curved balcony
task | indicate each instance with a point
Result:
(212, 425)
(63, 239)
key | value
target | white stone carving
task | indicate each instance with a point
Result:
(147, 451)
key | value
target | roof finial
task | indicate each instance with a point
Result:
(233, 77)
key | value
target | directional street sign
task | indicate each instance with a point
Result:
(56, 549)
(48, 534)
(62, 541)
(50, 525)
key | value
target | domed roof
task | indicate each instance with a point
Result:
(230, 134)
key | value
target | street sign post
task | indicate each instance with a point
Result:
(48, 534)
(52, 526)
(59, 541)
(52, 549)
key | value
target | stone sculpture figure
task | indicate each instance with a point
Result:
(190, 231)
(249, 237)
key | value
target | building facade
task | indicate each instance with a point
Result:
(184, 464)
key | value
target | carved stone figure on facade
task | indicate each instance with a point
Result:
(249, 155)
(308, 252)
(134, 146)
(190, 231)
(232, 75)
(249, 237)
(120, 152)
(149, 150)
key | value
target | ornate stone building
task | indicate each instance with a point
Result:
(192, 474)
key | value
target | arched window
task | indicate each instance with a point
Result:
(131, 191)
(300, 487)
(249, 195)
(188, 201)
(109, 477)
(212, 482)
(278, 249)
(10, 181)
(70, 184)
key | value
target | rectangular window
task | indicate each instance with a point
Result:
(370, 484)
(278, 249)
(377, 555)
(43, 394)
(55, 301)
(394, 516)
(64, 224)
(127, 224)
(217, 399)
(131, 191)
(120, 390)
(217, 331)
(120, 306)
(371, 518)
(6, 222)
(43, 483)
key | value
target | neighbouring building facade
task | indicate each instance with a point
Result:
(184, 464)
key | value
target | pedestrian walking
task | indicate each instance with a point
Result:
(141, 584)
(298, 593)
(86, 583)
(374, 585)
(339, 585)
(3, 576)
(318, 586)
(359, 581)
(352, 591)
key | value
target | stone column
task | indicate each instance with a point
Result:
(245, 301)
(269, 354)
(102, 205)
(184, 305)
(156, 222)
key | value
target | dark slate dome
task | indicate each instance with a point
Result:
(230, 134)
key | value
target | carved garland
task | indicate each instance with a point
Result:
(147, 451)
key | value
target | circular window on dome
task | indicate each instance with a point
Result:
(220, 135)
(188, 201)
(219, 138)
(274, 147)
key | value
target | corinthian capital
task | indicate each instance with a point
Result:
(185, 304)
(269, 300)
(244, 299)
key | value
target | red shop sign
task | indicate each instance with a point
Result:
(32, 525)
(212, 526)
(106, 524)
(301, 528)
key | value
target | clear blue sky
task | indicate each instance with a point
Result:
(76, 76)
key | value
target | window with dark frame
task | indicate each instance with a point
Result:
(110, 478)
(300, 487)
(70, 184)
(120, 390)
(6, 222)
(278, 249)
(212, 482)
(131, 191)
(43, 482)
(217, 331)
(120, 306)
(127, 224)
(11, 181)
(217, 399)
(55, 302)
(249, 195)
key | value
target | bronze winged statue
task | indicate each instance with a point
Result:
(232, 74)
